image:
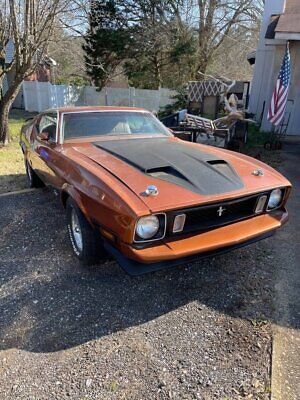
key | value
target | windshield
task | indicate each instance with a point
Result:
(84, 124)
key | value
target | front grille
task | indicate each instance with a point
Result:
(215, 215)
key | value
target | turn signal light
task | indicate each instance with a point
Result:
(179, 222)
(260, 206)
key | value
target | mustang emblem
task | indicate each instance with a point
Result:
(220, 211)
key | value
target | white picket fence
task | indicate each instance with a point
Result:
(40, 96)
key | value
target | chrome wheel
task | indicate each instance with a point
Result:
(85, 239)
(76, 229)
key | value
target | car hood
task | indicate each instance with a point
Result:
(184, 173)
(177, 163)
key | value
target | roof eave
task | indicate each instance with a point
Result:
(287, 36)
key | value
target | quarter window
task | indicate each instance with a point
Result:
(48, 123)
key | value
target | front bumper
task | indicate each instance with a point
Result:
(170, 252)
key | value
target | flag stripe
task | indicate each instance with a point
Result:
(279, 114)
(280, 95)
(280, 109)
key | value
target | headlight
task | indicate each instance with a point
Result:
(275, 199)
(147, 227)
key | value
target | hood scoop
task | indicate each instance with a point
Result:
(164, 171)
(176, 162)
(221, 166)
(216, 162)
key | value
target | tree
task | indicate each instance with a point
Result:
(4, 38)
(231, 57)
(30, 24)
(107, 41)
(66, 49)
(152, 40)
(167, 41)
(142, 36)
(216, 20)
(164, 46)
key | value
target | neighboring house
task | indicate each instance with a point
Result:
(43, 73)
(281, 23)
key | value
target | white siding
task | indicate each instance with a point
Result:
(294, 93)
(269, 58)
(263, 68)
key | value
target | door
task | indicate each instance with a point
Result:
(44, 146)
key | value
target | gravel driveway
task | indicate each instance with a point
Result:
(195, 332)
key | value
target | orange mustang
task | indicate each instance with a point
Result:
(130, 187)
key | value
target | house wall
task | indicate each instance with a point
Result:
(269, 56)
(18, 103)
(264, 64)
(42, 74)
(294, 92)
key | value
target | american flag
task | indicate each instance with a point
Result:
(280, 95)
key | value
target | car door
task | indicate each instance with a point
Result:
(44, 148)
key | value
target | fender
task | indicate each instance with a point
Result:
(69, 190)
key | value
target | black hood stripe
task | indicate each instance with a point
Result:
(176, 162)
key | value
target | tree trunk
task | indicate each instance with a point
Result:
(5, 105)
(201, 65)
(4, 131)
(1, 83)
(157, 71)
(200, 70)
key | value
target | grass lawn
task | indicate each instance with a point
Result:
(12, 170)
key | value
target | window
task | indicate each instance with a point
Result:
(48, 123)
(77, 125)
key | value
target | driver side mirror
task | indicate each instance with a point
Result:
(44, 135)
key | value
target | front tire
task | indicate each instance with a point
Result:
(85, 241)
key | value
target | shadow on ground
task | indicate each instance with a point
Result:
(12, 182)
(49, 302)
(20, 114)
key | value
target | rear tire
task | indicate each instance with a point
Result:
(85, 241)
(33, 180)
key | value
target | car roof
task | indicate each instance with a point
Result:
(94, 108)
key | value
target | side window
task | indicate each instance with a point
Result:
(48, 124)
